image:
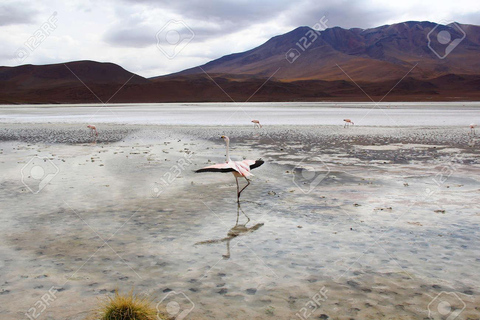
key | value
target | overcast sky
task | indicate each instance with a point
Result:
(125, 31)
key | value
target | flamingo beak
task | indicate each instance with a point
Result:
(222, 137)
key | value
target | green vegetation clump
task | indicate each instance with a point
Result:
(127, 307)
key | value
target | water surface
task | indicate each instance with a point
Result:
(278, 113)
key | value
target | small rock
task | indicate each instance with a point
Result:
(251, 291)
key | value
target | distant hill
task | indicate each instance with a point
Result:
(376, 59)
(377, 54)
(60, 82)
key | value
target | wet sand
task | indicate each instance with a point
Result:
(357, 223)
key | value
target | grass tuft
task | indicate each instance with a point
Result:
(127, 307)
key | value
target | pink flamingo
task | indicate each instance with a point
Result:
(238, 168)
(348, 122)
(93, 129)
(472, 128)
(256, 124)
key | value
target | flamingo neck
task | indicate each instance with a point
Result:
(228, 155)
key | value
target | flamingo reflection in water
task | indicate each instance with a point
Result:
(235, 231)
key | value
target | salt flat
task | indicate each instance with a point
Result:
(239, 114)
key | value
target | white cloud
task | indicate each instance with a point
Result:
(123, 31)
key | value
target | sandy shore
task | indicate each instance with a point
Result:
(358, 223)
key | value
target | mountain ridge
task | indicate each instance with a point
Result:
(392, 48)
(390, 57)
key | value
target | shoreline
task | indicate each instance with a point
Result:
(306, 103)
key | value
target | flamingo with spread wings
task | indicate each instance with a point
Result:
(238, 168)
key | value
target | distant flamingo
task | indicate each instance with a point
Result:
(93, 129)
(348, 122)
(238, 168)
(256, 124)
(472, 128)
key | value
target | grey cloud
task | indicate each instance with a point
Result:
(469, 18)
(16, 13)
(136, 37)
(223, 17)
(144, 36)
(227, 17)
(344, 13)
(218, 11)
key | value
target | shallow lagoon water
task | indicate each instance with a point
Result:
(286, 113)
(371, 230)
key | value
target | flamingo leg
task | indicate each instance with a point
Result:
(248, 183)
(227, 256)
(238, 213)
(238, 192)
(240, 208)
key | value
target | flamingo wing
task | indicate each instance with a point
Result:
(220, 167)
(242, 167)
(254, 163)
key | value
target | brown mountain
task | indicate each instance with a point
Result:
(377, 54)
(64, 82)
(375, 59)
